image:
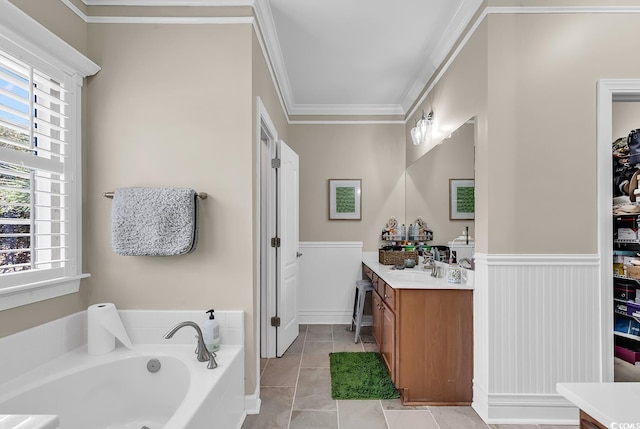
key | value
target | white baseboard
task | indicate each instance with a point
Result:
(252, 402)
(550, 409)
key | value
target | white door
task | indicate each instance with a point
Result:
(287, 255)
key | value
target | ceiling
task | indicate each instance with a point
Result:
(348, 57)
(361, 57)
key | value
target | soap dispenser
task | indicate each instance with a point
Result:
(212, 332)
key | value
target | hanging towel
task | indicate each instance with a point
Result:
(154, 221)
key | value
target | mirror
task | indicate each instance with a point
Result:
(427, 186)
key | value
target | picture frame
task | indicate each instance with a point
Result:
(461, 199)
(345, 197)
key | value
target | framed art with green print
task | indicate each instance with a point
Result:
(461, 199)
(345, 199)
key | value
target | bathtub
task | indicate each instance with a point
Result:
(117, 391)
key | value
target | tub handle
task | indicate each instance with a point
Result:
(212, 361)
(197, 337)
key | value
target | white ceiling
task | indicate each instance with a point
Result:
(348, 57)
(362, 56)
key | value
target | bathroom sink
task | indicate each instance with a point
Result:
(416, 274)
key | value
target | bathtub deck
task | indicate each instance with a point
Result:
(21, 421)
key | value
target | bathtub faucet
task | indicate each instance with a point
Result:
(201, 350)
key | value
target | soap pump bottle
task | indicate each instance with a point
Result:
(212, 332)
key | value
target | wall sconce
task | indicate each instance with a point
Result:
(422, 128)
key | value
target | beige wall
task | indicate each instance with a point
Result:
(530, 79)
(427, 184)
(172, 107)
(626, 117)
(542, 125)
(263, 87)
(59, 19)
(459, 95)
(373, 153)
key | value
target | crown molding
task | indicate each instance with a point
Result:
(168, 2)
(441, 49)
(273, 53)
(561, 9)
(345, 109)
(18, 28)
(170, 19)
(513, 10)
(348, 122)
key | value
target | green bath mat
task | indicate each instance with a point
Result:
(360, 375)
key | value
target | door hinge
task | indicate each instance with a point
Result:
(275, 321)
(275, 242)
(275, 163)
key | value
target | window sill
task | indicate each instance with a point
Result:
(39, 291)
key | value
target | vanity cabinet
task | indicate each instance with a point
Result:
(588, 422)
(384, 325)
(376, 329)
(425, 337)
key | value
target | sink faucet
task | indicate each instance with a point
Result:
(201, 350)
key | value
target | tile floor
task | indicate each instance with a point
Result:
(296, 393)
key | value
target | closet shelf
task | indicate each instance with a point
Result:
(631, 337)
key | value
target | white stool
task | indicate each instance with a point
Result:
(362, 287)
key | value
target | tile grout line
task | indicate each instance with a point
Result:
(295, 388)
(434, 418)
(384, 414)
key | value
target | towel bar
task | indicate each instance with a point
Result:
(201, 195)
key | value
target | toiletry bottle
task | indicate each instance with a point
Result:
(212, 332)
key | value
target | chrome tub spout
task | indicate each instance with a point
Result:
(201, 349)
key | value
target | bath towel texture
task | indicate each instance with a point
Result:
(154, 221)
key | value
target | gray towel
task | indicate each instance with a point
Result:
(154, 221)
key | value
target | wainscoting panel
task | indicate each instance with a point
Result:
(328, 272)
(537, 323)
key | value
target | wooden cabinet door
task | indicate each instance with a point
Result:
(588, 422)
(377, 318)
(388, 347)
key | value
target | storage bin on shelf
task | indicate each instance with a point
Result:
(633, 271)
(625, 288)
(627, 354)
(396, 257)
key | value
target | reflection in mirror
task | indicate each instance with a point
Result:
(428, 189)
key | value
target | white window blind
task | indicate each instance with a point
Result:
(35, 204)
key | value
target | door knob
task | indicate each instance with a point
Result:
(298, 254)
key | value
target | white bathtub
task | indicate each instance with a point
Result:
(116, 391)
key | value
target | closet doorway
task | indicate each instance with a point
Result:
(278, 225)
(618, 102)
(625, 117)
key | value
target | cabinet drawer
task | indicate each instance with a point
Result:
(367, 272)
(380, 286)
(390, 297)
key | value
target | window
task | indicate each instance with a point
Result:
(40, 180)
(34, 194)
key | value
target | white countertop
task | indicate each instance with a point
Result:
(415, 278)
(13, 421)
(605, 402)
